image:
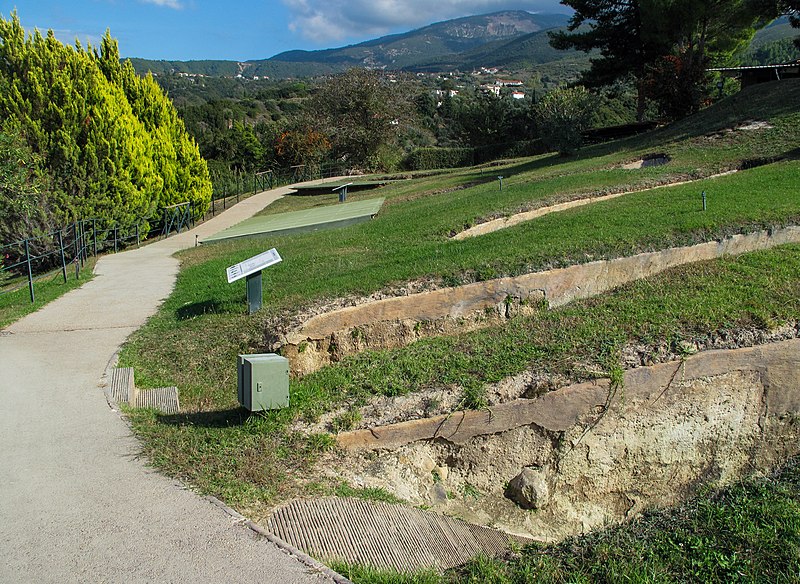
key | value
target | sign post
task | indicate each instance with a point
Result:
(342, 192)
(251, 269)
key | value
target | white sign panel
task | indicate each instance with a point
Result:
(253, 265)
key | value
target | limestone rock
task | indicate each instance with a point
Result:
(529, 489)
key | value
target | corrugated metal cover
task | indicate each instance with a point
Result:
(384, 535)
(121, 388)
(160, 398)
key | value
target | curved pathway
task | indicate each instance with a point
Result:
(77, 504)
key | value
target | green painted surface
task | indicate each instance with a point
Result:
(330, 187)
(339, 215)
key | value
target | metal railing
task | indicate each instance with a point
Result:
(27, 261)
(243, 186)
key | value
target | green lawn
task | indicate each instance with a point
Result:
(16, 302)
(255, 461)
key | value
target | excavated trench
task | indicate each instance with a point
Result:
(546, 459)
(398, 321)
(588, 455)
(505, 222)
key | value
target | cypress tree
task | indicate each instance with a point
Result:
(111, 141)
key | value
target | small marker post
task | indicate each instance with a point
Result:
(705, 206)
(500, 178)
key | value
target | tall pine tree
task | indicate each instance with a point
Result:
(634, 36)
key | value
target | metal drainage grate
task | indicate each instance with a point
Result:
(383, 535)
(122, 387)
(161, 398)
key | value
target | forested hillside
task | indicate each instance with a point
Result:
(96, 140)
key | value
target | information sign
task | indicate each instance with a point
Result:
(253, 265)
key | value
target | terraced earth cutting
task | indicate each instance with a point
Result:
(651, 374)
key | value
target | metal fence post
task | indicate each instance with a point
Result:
(94, 234)
(76, 260)
(83, 244)
(30, 271)
(63, 257)
(115, 239)
(137, 236)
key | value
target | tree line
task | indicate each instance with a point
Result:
(82, 136)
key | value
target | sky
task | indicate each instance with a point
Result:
(241, 30)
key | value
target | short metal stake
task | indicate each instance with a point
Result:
(500, 178)
(705, 206)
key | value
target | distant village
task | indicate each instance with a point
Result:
(484, 79)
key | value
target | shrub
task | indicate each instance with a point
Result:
(432, 158)
(562, 115)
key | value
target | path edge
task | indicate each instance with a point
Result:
(282, 545)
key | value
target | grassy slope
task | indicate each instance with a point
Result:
(255, 461)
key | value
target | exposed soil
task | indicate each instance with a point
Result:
(754, 125)
(647, 162)
(382, 410)
(653, 441)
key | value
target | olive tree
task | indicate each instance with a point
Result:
(363, 113)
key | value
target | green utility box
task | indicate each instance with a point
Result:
(263, 381)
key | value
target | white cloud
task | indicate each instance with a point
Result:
(174, 4)
(332, 20)
(68, 37)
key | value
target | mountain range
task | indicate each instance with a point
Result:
(512, 40)
(500, 39)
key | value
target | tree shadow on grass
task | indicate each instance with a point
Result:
(194, 309)
(763, 161)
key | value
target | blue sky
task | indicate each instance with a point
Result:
(246, 29)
